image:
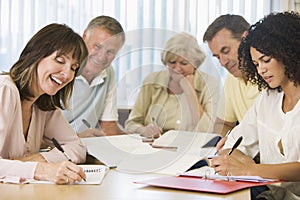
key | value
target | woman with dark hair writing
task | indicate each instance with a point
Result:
(38, 84)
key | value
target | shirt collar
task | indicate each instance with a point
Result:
(97, 80)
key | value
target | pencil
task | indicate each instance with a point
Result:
(163, 147)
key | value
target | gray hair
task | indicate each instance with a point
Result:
(184, 45)
(111, 25)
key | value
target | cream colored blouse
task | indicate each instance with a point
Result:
(43, 125)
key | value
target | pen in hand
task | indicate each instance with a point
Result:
(57, 145)
(236, 144)
(153, 121)
(228, 132)
(221, 142)
(155, 124)
(86, 123)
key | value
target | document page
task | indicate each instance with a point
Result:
(172, 153)
(209, 173)
(111, 150)
(170, 161)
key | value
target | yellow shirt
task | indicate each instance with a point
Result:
(236, 99)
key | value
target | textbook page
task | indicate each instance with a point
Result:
(111, 150)
(168, 161)
(209, 173)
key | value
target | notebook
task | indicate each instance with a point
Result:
(204, 179)
(94, 175)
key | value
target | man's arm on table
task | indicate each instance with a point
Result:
(111, 128)
(222, 127)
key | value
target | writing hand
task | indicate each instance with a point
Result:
(59, 173)
(236, 164)
(151, 130)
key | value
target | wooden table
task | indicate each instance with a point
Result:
(115, 186)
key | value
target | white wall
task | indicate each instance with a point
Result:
(148, 24)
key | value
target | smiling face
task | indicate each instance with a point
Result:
(271, 70)
(54, 72)
(102, 48)
(225, 48)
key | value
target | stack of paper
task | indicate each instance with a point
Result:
(209, 173)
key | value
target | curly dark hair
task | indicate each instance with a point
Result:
(277, 35)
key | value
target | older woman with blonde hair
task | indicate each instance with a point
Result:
(179, 98)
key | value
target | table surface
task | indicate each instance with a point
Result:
(115, 186)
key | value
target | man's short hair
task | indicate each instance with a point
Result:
(236, 24)
(111, 25)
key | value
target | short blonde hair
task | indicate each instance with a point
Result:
(183, 45)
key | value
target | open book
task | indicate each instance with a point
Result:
(94, 175)
(129, 153)
(112, 150)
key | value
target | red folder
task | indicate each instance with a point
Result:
(200, 184)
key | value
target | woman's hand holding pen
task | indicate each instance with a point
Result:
(235, 164)
(59, 173)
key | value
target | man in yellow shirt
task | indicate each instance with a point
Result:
(223, 37)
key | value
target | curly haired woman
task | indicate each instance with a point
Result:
(270, 56)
